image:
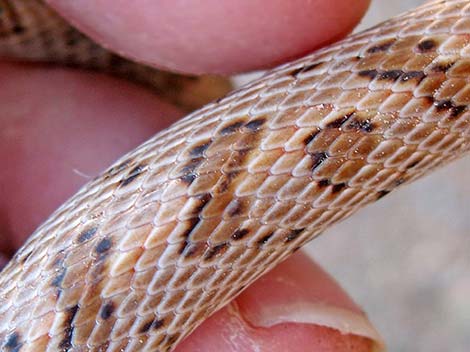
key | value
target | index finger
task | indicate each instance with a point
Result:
(212, 35)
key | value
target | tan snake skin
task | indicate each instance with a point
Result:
(32, 31)
(177, 228)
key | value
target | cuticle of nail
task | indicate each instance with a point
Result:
(321, 314)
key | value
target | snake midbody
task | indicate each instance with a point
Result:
(177, 228)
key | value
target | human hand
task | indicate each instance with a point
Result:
(58, 125)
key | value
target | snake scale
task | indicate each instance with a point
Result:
(177, 228)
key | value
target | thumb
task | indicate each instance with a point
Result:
(296, 307)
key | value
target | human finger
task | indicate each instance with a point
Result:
(212, 35)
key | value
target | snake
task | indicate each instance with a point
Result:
(178, 227)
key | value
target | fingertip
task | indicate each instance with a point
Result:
(214, 36)
(295, 307)
(227, 331)
(299, 280)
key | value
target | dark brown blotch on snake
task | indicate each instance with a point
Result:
(370, 74)
(230, 128)
(87, 234)
(294, 234)
(323, 183)
(198, 151)
(188, 172)
(265, 239)
(391, 75)
(12, 342)
(133, 174)
(107, 310)
(190, 226)
(255, 125)
(358, 124)
(306, 68)
(455, 110)
(66, 343)
(409, 75)
(103, 246)
(426, 45)
(317, 159)
(338, 187)
(338, 122)
(239, 234)
(443, 66)
(311, 136)
(215, 250)
(381, 47)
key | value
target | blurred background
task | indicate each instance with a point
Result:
(406, 259)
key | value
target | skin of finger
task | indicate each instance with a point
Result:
(212, 35)
(293, 283)
(3, 260)
(59, 128)
(227, 330)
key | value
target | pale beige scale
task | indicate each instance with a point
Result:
(175, 229)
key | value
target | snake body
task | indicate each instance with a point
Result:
(177, 228)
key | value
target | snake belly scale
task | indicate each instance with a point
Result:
(175, 229)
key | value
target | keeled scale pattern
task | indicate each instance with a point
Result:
(178, 227)
(32, 31)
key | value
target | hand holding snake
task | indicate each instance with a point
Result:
(261, 172)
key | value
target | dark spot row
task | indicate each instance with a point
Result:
(454, 110)
(107, 310)
(424, 46)
(12, 343)
(294, 73)
(215, 250)
(381, 47)
(293, 234)
(87, 234)
(188, 173)
(133, 174)
(152, 324)
(252, 126)
(199, 150)
(265, 239)
(392, 75)
(339, 121)
(103, 246)
(66, 343)
(191, 225)
(361, 125)
(317, 159)
(336, 187)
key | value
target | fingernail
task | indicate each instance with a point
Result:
(299, 291)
